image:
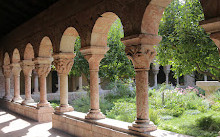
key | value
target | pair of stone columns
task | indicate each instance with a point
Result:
(140, 50)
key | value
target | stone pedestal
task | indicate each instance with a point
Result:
(209, 86)
(27, 66)
(63, 63)
(94, 55)
(140, 49)
(43, 67)
(16, 69)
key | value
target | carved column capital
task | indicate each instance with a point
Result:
(141, 56)
(16, 69)
(64, 62)
(166, 69)
(43, 66)
(94, 54)
(27, 67)
(7, 71)
(140, 49)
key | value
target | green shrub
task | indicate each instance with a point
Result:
(154, 116)
(209, 123)
(120, 89)
(216, 106)
(54, 103)
(125, 111)
(81, 104)
(192, 112)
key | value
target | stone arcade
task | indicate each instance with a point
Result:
(49, 38)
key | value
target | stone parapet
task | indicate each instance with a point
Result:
(31, 111)
(74, 123)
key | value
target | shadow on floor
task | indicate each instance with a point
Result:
(14, 125)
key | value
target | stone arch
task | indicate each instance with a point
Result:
(101, 28)
(16, 56)
(68, 40)
(45, 49)
(152, 16)
(6, 59)
(29, 52)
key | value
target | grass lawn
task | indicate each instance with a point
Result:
(186, 124)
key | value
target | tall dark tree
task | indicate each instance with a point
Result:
(185, 45)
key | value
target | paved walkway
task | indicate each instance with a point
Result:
(14, 125)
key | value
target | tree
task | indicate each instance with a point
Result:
(116, 65)
(80, 66)
(185, 45)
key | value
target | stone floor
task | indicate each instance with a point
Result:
(13, 125)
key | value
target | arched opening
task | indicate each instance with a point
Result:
(68, 40)
(16, 56)
(28, 52)
(6, 59)
(45, 49)
(101, 28)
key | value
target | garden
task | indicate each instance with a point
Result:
(186, 111)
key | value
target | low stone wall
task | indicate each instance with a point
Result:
(71, 95)
(43, 114)
(75, 124)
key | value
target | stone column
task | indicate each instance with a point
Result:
(80, 84)
(94, 55)
(205, 77)
(16, 70)
(7, 75)
(43, 67)
(36, 88)
(63, 63)
(189, 80)
(166, 70)
(155, 69)
(177, 80)
(27, 66)
(140, 49)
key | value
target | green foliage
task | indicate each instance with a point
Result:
(185, 45)
(120, 89)
(115, 65)
(54, 103)
(209, 123)
(123, 110)
(82, 104)
(81, 65)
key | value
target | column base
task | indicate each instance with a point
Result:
(63, 108)
(7, 98)
(16, 99)
(47, 104)
(36, 93)
(140, 126)
(26, 101)
(95, 114)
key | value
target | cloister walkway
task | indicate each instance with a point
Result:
(14, 125)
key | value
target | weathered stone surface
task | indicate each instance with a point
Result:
(209, 86)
